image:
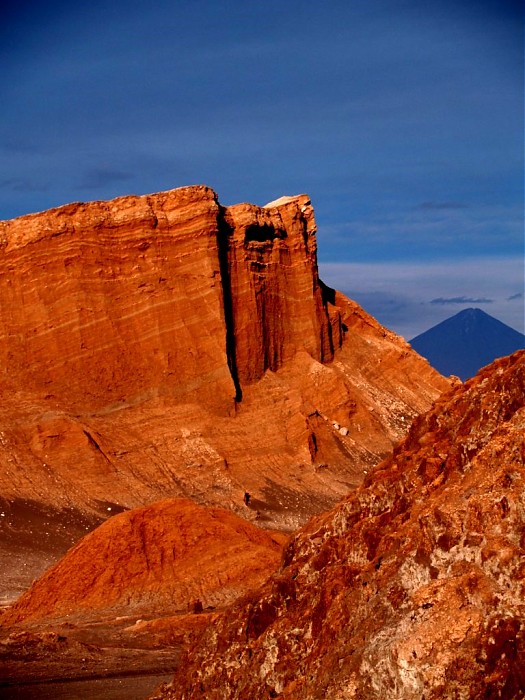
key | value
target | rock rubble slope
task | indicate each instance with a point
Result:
(412, 587)
(166, 346)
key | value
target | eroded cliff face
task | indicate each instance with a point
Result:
(163, 346)
(116, 301)
(271, 271)
(412, 587)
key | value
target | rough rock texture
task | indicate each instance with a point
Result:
(162, 346)
(411, 588)
(276, 298)
(97, 308)
(170, 557)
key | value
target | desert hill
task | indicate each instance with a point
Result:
(166, 558)
(463, 344)
(166, 346)
(411, 587)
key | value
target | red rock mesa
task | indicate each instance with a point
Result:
(165, 346)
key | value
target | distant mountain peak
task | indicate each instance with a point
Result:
(466, 342)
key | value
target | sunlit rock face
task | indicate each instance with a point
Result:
(163, 346)
(412, 587)
(108, 301)
(277, 302)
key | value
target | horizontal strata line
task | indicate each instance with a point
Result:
(96, 286)
(65, 358)
(130, 279)
(149, 308)
(112, 230)
(108, 254)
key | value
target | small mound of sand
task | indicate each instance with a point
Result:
(168, 557)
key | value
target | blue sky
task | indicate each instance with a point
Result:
(402, 119)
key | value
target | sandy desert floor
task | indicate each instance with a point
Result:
(124, 688)
(79, 659)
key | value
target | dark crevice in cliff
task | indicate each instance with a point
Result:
(224, 232)
(271, 334)
(262, 233)
(95, 445)
(327, 293)
(327, 297)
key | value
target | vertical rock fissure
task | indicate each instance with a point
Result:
(327, 297)
(224, 232)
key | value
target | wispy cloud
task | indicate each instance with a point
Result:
(513, 297)
(398, 293)
(104, 176)
(18, 147)
(17, 184)
(461, 300)
(442, 205)
(483, 230)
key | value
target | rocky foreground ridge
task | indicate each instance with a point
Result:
(412, 587)
(166, 346)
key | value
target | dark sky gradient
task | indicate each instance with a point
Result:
(403, 120)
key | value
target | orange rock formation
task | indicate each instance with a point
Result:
(412, 587)
(169, 293)
(164, 346)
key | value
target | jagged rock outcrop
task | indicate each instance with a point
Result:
(130, 330)
(169, 557)
(412, 587)
(276, 297)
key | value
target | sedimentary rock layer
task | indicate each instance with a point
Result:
(276, 297)
(97, 307)
(109, 301)
(412, 587)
